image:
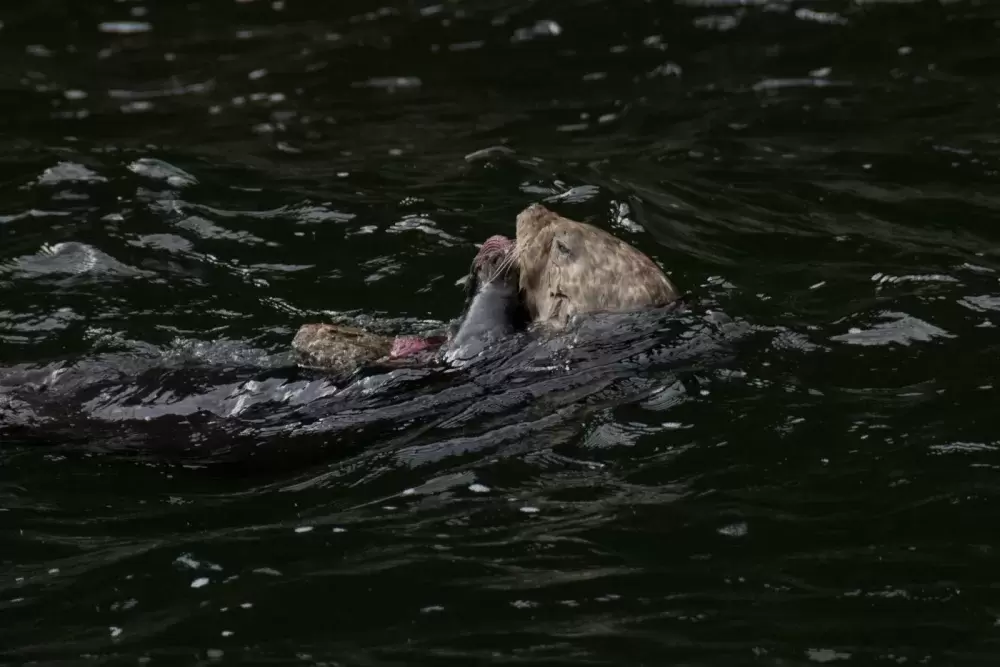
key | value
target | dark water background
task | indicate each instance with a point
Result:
(234, 169)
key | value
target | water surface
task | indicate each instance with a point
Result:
(195, 181)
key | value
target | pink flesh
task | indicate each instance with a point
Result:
(407, 346)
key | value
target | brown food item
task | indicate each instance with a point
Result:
(339, 349)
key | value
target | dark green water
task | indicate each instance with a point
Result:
(235, 169)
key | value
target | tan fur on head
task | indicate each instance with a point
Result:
(568, 267)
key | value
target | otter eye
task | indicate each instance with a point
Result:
(563, 248)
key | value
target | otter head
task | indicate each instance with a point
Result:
(494, 261)
(493, 265)
(567, 267)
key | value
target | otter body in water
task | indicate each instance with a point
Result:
(568, 268)
(557, 269)
(239, 412)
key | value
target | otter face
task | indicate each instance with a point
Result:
(495, 260)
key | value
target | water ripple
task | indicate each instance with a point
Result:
(183, 187)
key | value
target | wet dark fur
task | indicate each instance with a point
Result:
(493, 307)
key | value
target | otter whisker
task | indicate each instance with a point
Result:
(505, 265)
(513, 256)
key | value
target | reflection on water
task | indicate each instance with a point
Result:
(183, 186)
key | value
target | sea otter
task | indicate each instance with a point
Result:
(568, 268)
(238, 412)
(556, 269)
(492, 312)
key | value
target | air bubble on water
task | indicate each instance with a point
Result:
(115, 631)
(124, 27)
(390, 83)
(303, 529)
(138, 106)
(826, 655)
(479, 488)
(69, 171)
(528, 509)
(544, 28)
(199, 582)
(162, 171)
(739, 529)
